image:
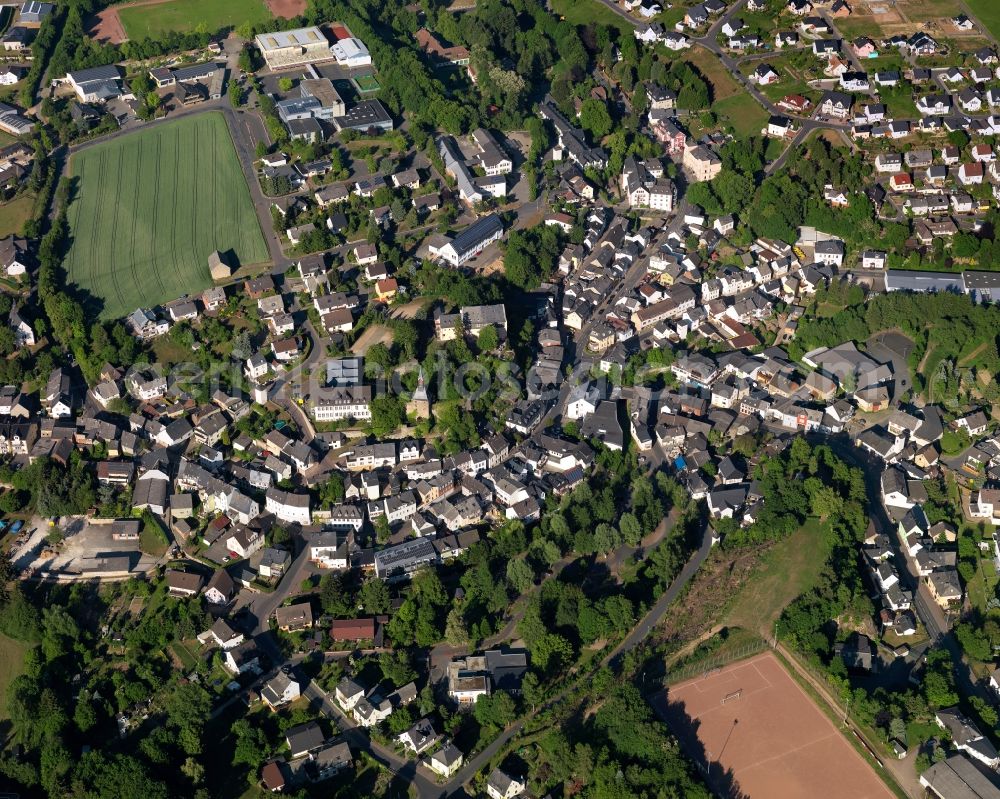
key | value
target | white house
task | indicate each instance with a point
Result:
(446, 761)
(329, 551)
(280, 690)
(287, 506)
(348, 693)
(873, 259)
(501, 785)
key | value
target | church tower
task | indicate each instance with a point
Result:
(420, 403)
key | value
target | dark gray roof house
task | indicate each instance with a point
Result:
(603, 424)
(304, 738)
(857, 653)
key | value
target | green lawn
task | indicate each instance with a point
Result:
(863, 25)
(366, 84)
(926, 10)
(983, 585)
(149, 210)
(671, 16)
(11, 665)
(988, 12)
(899, 101)
(152, 540)
(15, 213)
(589, 12)
(790, 568)
(184, 654)
(743, 112)
(189, 15)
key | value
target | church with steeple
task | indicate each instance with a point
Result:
(420, 403)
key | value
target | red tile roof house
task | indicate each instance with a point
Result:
(983, 153)
(795, 103)
(272, 777)
(386, 289)
(353, 630)
(969, 174)
(901, 181)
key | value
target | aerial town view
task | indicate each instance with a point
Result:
(498, 399)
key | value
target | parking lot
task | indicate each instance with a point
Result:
(83, 543)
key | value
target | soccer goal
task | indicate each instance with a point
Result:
(732, 696)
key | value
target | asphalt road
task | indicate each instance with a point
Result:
(709, 42)
(932, 616)
(425, 786)
(657, 612)
(359, 740)
(264, 604)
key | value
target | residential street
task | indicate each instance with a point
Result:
(263, 607)
(709, 42)
(930, 614)
(648, 622)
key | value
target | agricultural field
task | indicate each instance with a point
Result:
(987, 12)
(152, 20)
(149, 209)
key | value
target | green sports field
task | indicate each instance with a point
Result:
(184, 16)
(151, 206)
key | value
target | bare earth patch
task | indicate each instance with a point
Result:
(492, 267)
(375, 334)
(106, 27)
(286, 9)
(408, 310)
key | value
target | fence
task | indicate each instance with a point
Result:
(702, 667)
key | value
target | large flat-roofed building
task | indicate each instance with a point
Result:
(982, 286)
(322, 90)
(283, 49)
(403, 559)
(34, 12)
(369, 115)
(913, 280)
(297, 108)
(471, 241)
